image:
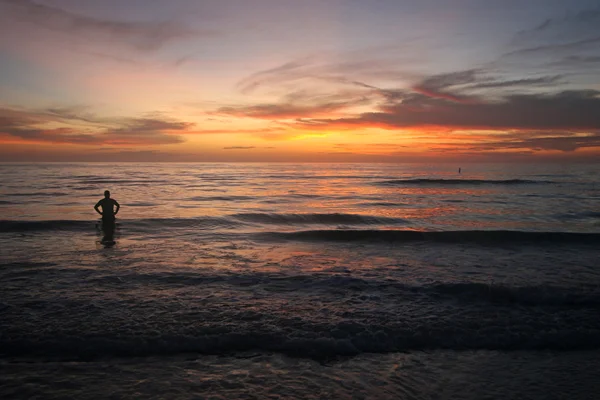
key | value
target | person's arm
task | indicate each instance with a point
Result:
(118, 206)
(96, 207)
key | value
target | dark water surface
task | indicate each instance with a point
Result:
(379, 281)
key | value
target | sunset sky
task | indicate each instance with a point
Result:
(299, 80)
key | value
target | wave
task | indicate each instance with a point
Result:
(434, 182)
(318, 341)
(383, 204)
(360, 315)
(39, 194)
(580, 215)
(484, 237)
(133, 182)
(227, 221)
(249, 220)
(467, 292)
(538, 296)
(54, 225)
(221, 198)
(334, 218)
(150, 224)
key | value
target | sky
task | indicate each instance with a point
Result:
(300, 80)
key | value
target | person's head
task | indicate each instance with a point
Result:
(107, 194)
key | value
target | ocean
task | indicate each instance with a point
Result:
(308, 281)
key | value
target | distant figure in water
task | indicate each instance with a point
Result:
(110, 208)
(108, 211)
(459, 170)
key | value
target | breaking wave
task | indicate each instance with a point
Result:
(227, 221)
(487, 237)
(334, 218)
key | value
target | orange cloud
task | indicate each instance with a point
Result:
(22, 126)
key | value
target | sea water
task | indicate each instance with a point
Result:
(300, 281)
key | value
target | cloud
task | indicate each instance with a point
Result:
(577, 61)
(312, 70)
(239, 148)
(10, 117)
(142, 35)
(153, 124)
(565, 143)
(304, 100)
(554, 48)
(490, 97)
(287, 71)
(544, 80)
(573, 38)
(438, 86)
(283, 111)
(565, 110)
(138, 131)
(452, 86)
(308, 88)
(64, 126)
(259, 132)
(537, 115)
(572, 27)
(440, 100)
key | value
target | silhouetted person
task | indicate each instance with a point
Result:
(459, 170)
(110, 208)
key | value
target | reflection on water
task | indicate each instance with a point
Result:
(107, 229)
(316, 261)
(433, 198)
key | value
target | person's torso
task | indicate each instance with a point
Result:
(107, 207)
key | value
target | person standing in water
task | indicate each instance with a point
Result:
(110, 208)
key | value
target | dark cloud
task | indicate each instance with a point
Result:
(141, 35)
(34, 126)
(452, 86)
(239, 148)
(566, 143)
(583, 59)
(577, 61)
(572, 110)
(545, 80)
(438, 86)
(440, 100)
(556, 48)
